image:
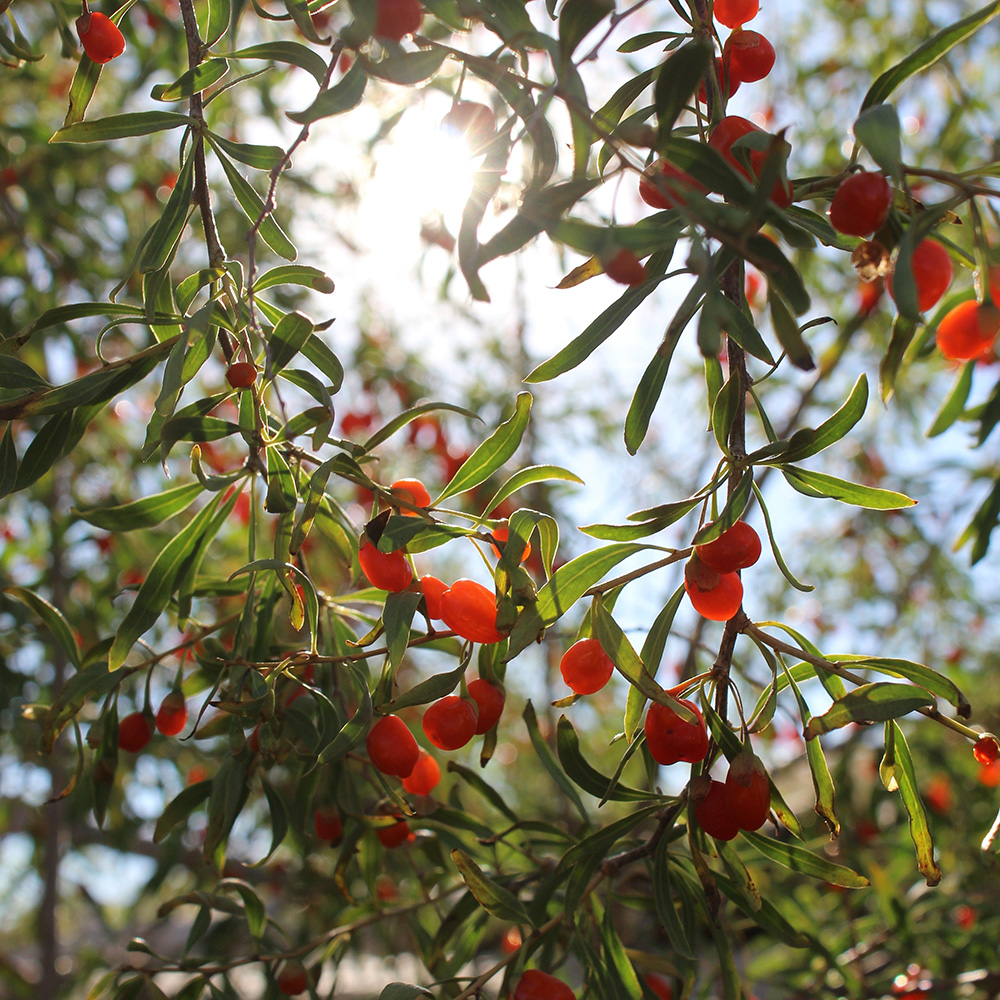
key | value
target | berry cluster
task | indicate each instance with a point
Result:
(711, 576)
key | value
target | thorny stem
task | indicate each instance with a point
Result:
(202, 194)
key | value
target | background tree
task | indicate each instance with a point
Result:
(215, 648)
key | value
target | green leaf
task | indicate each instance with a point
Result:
(740, 327)
(577, 19)
(493, 452)
(584, 774)
(920, 833)
(8, 462)
(180, 807)
(281, 492)
(46, 448)
(161, 580)
(52, 618)
(408, 68)
(903, 329)
(396, 617)
(920, 674)
(767, 916)
(279, 820)
(287, 339)
(764, 254)
(788, 333)
(877, 129)
(679, 76)
(928, 53)
(253, 207)
(294, 274)
(664, 896)
(489, 793)
(261, 157)
(134, 123)
(342, 96)
(525, 477)
(171, 223)
(194, 81)
(810, 441)
(402, 419)
(818, 484)
(15, 374)
(550, 763)
(724, 411)
(492, 896)
(146, 512)
(219, 15)
(293, 53)
(798, 859)
(876, 702)
(598, 331)
(225, 801)
(651, 654)
(565, 587)
(354, 731)
(253, 907)
(404, 991)
(954, 403)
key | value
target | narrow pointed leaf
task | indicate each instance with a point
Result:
(876, 702)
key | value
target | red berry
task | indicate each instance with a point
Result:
(968, 330)
(662, 185)
(750, 56)
(412, 491)
(736, 548)
(393, 836)
(241, 374)
(726, 133)
(671, 739)
(385, 570)
(424, 777)
(171, 716)
(134, 732)
(939, 794)
(932, 273)
(293, 979)
(585, 666)
(474, 122)
(327, 823)
(624, 267)
(660, 985)
(987, 749)
(101, 39)
(511, 941)
(860, 204)
(733, 13)
(748, 792)
(989, 774)
(715, 596)
(965, 916)
(501, 534)
(450, 723)
(396, 18)
(490, 700)
(433, 588)
(469, 609)
(537, 985)
(728, 83)
(708, 799)
(391, 746)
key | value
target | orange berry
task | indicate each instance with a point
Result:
(393, 836)
(986, 749)
(670, 738)
(510, 941)
(171, 716)
(501, 534)
(134, 732)
(490, 700)
(385, 570)
(327, 823)
(624, 267)
(450, 722)
(749, 55)
(932, 273)
(989, 774)
(716, 600)
(424, 777)
(860, 204)
(967, 330)
(412, 491)
(101, 39)
(708, 800)
(726, 133)
(391, 747)
(394, 19)
(733, 13)
(662, 185)
(736, 548)
(939, 795)
(433, 588)
(748, 792)
(727, 81)
(537, 985)
(241, 374)
(585, 666)
(469, 609)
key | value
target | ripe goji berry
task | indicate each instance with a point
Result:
(670, 738)
(391, 746)
(450, 722)
(585, 666)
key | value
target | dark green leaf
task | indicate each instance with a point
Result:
(680, 75)
(408, 68)
(875, 702)
(53, 620)
(788, 333)
(584, 775)
(920, 833)
(171, 223)
(492, 896)
(877, 129)
(180, 807)
(194, 81)
(577, 19)
(798, 859)
(293, 53)
(954, 404)
(342, 96)
(144, 513)
(818, 484)
(550, 763)
(917, 672)
(261, 157)
(810, 441)
(121, 126)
